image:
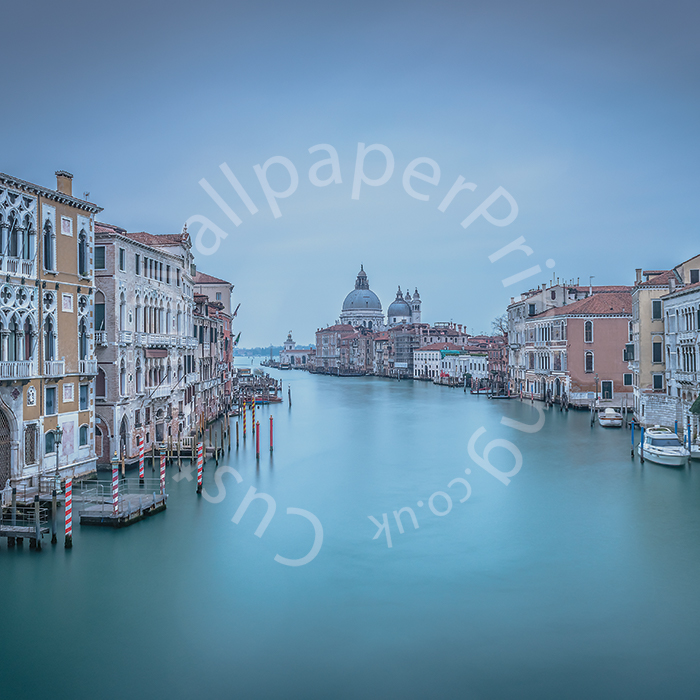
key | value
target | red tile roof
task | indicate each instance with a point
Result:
(660, 279)
(609, 304)
(160, 239)
(108, 228)
(440, 346)
(204, 278)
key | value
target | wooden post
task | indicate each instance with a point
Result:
(257, 440)
(641, 446)
(179, 454)
(270, 433)
(11, 540)
(632, 433)
(37, 523)
(153, 456)
(229, 432)
(236, 433)
(54, 539)
(123, 461)
(216, 449)
(222, 443)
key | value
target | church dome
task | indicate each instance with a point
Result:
(362, 298)
(399, 307)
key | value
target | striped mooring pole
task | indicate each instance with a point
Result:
(69, 513)
(162, 470)
(270, 433)
(200, 448)
(254, 426)
(115, 486)
(245, 418)
(141, 461)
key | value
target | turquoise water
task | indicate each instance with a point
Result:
(578, 579)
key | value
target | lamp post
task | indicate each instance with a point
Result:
(57, 438)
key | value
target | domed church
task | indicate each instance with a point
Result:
(363, 308)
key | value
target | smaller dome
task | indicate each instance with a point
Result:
(398, 307)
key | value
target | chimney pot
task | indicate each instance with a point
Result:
(64, 182)
(638, 279)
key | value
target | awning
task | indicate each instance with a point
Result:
(156, 352)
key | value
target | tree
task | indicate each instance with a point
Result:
(499, 325)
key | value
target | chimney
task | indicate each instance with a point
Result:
(638, 279)
(671, 284)
(64, 182)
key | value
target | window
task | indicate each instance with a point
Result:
(49, 340)
(218, 296)
(99, 257)
(167, 274)
(553, 294)
(694, 276)
(83, 435)
(122, 260)
(627, 379)
(49, 445)
(656, 310)
(30, 440)
(656, 352)
(50, 400)
(178, 277)
(137, 265)
(629, 353)
(588, 331)
(82, 254)
(48, 248)
(589, 362)
(84, 392)
(101, 383)
(99, 311)
(658, 382)
(531, 310)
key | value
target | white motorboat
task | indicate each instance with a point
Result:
(610, 418)
(663, 446)
(695, 451)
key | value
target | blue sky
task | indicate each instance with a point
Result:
(586, 115)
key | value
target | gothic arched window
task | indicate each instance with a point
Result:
(82, 254)
(48, 248)
(49, 339)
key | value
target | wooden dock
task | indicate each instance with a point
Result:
(132, 507)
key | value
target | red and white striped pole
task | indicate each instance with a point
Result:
(69, 513)
(257, 439)
(162, 471)
(270, 433)
(200, 463)
(115, 486)
(141, 460)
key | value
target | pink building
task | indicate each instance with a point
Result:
(576, 353)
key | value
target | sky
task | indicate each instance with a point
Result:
(585, 115)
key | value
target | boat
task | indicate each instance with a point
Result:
(695, 451)
(610, 418)
(663, 446)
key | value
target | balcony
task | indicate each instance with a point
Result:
(101, 337)
(54, 368)
(125, 337)
(160, 392)
(17, 266)
(685, 377)
(87, 367)
(16, 370)
(191, 378)
(158, 339)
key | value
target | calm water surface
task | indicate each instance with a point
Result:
(580, 579)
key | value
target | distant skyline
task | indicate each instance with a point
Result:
(585, 114)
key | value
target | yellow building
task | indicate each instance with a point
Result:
(47, 355)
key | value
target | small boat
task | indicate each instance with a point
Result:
(663, 446)
(610, 418)
(695, 451)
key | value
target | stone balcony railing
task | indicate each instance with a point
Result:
(17, 266)
(87, 366)
(160, 391)
(16, 370)
(125, 337)
(681, 376)
(191, 378)
(54, 368)
(101, 337)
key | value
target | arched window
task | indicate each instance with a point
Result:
(83, 435)
(49, 340)
(49, 442)
(589, 362)
(48, 247)
(122, 312)
(179, 322)
(27, 239)
(122, 379)
(139, 378)
(83, 340)
(14, 349)
(99, 311)
(28, 339)
(82, 254)
(13, 240)
(588, 331)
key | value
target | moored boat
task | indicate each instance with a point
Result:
(663, 446)
(610, 418)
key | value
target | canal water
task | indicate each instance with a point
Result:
(580, 578)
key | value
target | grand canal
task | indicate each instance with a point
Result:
(578, 579)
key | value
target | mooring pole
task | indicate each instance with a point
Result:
(270, 433)
(632, 427)
(179, 453)
(216, 449)
(141, 461)
(69, 513)
(123, 461)
(153, 456)
(245, 419)
(200, 448)
(115, 485)
(37, 522)
(54, 539)
(236, 434)
(257, 440)
(641, 445)
(162, 471)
